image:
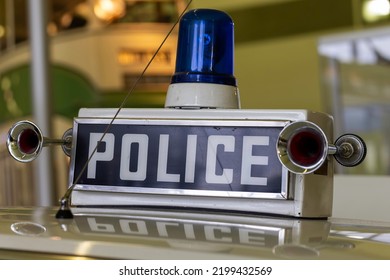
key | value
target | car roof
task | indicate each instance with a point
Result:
(172, 234)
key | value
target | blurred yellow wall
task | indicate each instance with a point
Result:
(280, 73)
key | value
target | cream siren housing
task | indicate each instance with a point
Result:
(202, 95)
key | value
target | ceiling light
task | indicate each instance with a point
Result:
(374, 10)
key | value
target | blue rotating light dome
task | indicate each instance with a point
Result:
(205, 48)
(204, 78)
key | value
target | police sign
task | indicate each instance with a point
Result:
(197, 156)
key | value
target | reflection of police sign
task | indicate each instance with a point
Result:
(196, 156)
(259, 236)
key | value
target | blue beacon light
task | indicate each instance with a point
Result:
(204, 75)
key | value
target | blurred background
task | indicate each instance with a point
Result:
(321, 55)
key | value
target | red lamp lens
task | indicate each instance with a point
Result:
(28, 141)
(306, 147)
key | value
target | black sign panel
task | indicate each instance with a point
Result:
(178, 157)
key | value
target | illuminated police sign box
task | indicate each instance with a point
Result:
(213, 159)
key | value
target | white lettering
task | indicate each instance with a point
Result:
(200, 159)
(248, 159)
(212, 159)
(107, 155)
(162, 164)
(127, 141)
(190, 158)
